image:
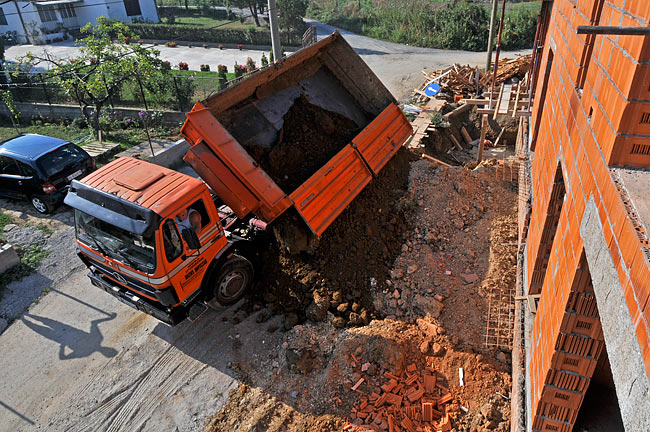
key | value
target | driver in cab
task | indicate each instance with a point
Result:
(190, 219)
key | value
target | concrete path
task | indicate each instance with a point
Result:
(194, 57)
(81, 361)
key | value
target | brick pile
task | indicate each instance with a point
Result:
(409, 400)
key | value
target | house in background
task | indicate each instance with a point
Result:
(46, 21)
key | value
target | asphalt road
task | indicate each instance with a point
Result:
(398, 66)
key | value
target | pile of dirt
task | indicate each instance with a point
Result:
(354, 254)
(309, 138)
(305, 378)
(447, 256)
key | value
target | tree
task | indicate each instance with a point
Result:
(8, 100)
(256, 7)
(107, 60)
(290, 14)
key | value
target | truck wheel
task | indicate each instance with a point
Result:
(233, 279)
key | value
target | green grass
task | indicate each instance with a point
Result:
(5, 220)
(30, 258)
(69, 132)
(209, 22)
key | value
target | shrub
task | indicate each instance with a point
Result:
(240, 46)
(166, 65)
(183, 66)
(80, 123)
(171, 19)
(205, 68)
(170, 44)
(222, 70)
(240, 70)
(519, 30)
(264, 61)
(250, 64)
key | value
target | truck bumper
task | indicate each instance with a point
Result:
(171, 316)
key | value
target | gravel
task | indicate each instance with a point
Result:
(58, 265)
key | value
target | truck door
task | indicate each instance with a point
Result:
(185, 267)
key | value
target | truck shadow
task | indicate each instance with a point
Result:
(79, 343)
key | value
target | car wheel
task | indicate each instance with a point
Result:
(233, 279)
(40, 205)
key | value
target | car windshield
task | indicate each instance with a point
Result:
(58, 159)
(134, 250)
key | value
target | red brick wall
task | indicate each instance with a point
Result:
(585, 131)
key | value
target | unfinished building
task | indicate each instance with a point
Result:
(584, 219)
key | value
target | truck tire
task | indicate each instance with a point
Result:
(232, 280)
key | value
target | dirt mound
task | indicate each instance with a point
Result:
(354, 254)
(444, 265)
(309, 138)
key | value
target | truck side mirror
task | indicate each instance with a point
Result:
(191, 238)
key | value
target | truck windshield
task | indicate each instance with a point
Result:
(136, 251)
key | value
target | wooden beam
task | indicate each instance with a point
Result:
(455, 141)
(438, 161)
(614, 30)
(496, 108)
(514, 110)
(481, 141)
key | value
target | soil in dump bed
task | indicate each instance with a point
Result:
(309, 138)
(356, 251)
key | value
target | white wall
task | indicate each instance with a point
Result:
(13, 22)
(147, 7)
(89, 10)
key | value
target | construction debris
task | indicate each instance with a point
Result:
(465, 80)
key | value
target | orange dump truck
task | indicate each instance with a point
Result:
(306, 135)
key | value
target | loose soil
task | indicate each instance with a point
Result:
(352, 257)
(309, 138)
(401, 277)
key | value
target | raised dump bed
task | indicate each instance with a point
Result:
(309, 132)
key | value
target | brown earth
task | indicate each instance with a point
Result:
(310, 136)
(353, 256)
(418, 251)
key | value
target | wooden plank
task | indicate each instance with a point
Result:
(514, 110)
(481, 142)
(466, 135)
(455, 141)
(505, 97)
(438, 161)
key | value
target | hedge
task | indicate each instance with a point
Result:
(220, 36)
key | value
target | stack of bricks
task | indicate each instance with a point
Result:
(409, 400)
(576, 351)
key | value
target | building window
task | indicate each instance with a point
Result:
(47, 13)
(132, 7)
(3, 18)
(67, 11)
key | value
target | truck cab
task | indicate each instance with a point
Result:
(136, 248)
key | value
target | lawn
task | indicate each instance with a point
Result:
(202, 21)
(82, 136)
(69, 133)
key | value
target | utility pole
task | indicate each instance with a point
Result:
(275, 33)
(493, 17)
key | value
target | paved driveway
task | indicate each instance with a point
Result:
(194, 57)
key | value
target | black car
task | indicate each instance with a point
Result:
(40, 168)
